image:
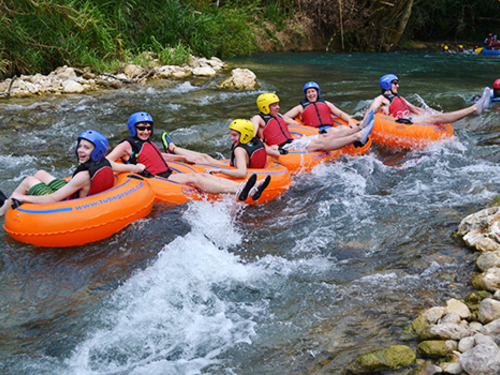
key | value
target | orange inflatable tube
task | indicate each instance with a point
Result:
(417, 135)
(173, 193)
(80, 221)
(304, 161)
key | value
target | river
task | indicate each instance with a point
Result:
(336, 267)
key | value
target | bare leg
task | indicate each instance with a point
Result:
(198, 157)
(327, 142)
(206, 182)
(449, 117)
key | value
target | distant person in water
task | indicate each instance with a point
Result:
(272, 127)
(93, 176)
(446, 49)
(392, 104)
(495, 92)
(460, 49)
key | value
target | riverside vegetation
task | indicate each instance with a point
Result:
(37, 36)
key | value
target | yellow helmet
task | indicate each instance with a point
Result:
(460, 46)
(246, 129)
(265, 100)
(445, 48)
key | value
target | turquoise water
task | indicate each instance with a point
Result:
(335, 268)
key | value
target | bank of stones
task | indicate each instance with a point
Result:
(73, 80)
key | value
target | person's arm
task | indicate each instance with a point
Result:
(241, 159)
(273, 151)
(259, 124)
(341, 114)
(292, 114)
(173, 157)
(412, 107)
(80, 181)
(134, 168)
(122, 151)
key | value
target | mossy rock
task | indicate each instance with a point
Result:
(389, 358)
(437, 348)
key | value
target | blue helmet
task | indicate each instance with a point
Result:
(136, 118)
(311, 85)
(98, 140)
(385, 81)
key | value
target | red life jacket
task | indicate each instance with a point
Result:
(316, 114)
(101, 177)
(276, 130)
(256, 153)
(147, 153)
(398, 107)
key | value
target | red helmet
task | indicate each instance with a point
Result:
(496, 84)
(490, 35)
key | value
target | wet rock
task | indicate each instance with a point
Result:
(241, 79)
(453, 368)
(448, 331)
(389, 358)
(481, 339)
(458, 307)
(132, 70)
(481, 230)
(428, 318)
(451, 317)
(205, 71)
(492, 329)
(489, 310)
(437, 348)
(71, 86)
(481, 360)
(489, 280)
(488, 260)
(467, 343)
(425, 368)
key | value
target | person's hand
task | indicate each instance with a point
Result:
(212, 170)
(189, 159)
(139, 168)
(18, 197)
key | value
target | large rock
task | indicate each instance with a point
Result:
(489, 280)
(72, 86)
(481, 230)
(428, 318)
(206, 71)
(385, 359)
(489, 310)
(437, 348)
(481, 360)
(448, 331)
(132, 70)
(241, 79)
(488, 260)
(458, 307)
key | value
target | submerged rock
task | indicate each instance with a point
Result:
(389, 358)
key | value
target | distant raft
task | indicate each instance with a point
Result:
(417, 135)
(83, 220)
(173, 193)
(304, 161)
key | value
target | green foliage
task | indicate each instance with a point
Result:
(39, 35)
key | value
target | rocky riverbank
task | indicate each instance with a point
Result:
(462, 337)
(73, 80)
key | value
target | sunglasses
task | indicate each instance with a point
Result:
(142, 128)
(395, 83)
